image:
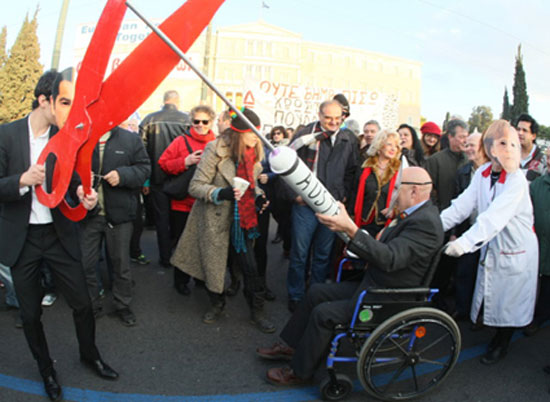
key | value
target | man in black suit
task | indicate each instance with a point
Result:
(32, 233)
(400, 259)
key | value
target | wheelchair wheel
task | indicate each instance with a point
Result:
(336, 392)
(391, 370)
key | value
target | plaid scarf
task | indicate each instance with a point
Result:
(310, 144)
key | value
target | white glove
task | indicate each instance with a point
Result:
(453, 249)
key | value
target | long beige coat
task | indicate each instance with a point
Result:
(203, 247)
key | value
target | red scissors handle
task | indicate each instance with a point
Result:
(122, 92)
(76, 131)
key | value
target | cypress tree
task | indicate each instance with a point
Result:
(521, 99)
(506, 112)
(20, 73)
(446, 122)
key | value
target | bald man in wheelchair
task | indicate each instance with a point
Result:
(399, 259)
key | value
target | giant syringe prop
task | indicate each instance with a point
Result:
(283, 160)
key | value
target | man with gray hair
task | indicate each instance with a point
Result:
(158, 130)
(331, 152)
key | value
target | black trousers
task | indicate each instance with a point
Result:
(311, 327)
(42, 245)
(135, 241)
(161, 211)
(178, 220)
(542, 308)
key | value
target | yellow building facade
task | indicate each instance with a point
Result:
(270, 68)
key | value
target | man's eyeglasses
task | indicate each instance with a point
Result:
(277, 133)
(413, 183)
(204, 122)
(332, 118)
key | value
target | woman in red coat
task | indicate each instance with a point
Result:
(175, 160)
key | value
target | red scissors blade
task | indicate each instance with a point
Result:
(136, 79)
(66, 143)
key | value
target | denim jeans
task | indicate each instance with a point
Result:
(307, 233)
(5, 275)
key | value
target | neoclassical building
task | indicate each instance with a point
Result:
(281, 74)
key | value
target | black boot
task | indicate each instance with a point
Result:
(233, 287)
(268, 294)
(217, 305)
(257, 316)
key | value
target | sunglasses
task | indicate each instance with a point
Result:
(204, 122)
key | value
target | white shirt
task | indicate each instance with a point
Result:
(40, 214)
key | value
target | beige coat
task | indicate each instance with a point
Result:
(203, 247)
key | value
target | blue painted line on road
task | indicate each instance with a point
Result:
(300, 394)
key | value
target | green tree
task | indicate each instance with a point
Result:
(506, 108)
(544, 132)
(446, 122)
(481, 117)
(519, 90)
(20, 73)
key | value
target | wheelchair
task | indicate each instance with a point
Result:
(404, 348)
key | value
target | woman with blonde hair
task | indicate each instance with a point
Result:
(182, 155)
(376, 181)
(224, 219)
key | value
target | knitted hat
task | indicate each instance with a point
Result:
(239, 125)
(430, 128)
(344, 102)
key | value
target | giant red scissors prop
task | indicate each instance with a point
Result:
(99, 105)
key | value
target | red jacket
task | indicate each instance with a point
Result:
(172, 161)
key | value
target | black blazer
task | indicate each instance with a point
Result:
(15, 209)
(403, 254)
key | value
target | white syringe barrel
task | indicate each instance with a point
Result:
(285, 162)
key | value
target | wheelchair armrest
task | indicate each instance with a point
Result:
(399, 290)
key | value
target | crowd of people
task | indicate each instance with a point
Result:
(205, 184)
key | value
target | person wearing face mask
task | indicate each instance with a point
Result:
(224, 218)
(466, 266)
(411, 147)
(183, 153)
(376, 182)
(506, 285)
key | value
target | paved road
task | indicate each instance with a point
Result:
(171, 355)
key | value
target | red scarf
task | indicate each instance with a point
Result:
(202, 138)
(361, 196)
(246, 205)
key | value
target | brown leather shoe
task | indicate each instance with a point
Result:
(283, 376)
(278, 351)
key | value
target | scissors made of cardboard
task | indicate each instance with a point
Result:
(99, 105)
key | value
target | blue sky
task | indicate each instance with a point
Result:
(467, 47)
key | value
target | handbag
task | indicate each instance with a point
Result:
(177, 186)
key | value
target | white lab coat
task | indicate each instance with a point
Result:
(507, 272)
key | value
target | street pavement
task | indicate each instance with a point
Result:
(170, 355)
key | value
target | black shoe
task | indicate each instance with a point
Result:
(263, 324)
(493, 356)
(183, 289)
(165, 264)
(101, 368)
(269, 295)
(212, 315)
(233, 288)
(18, 321)
(52, 387)
(126, 316)
(292, 304)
